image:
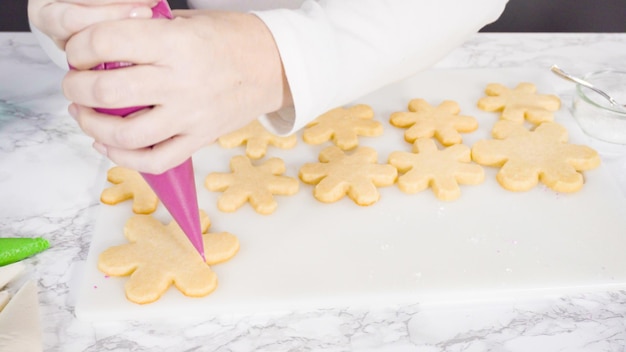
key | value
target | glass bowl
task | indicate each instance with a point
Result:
(595, 114)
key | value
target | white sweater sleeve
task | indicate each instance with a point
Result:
(335, 51)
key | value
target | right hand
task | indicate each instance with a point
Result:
(61, 19)
(204, 73)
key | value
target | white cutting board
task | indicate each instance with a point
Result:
(489, 244)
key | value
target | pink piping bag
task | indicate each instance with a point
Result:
(176, 188)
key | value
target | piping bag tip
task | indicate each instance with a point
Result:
(176, 188)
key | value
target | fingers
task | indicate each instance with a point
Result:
(141, 141)
(150, 3)
(140, 85)
(135, 41)
(200, 80)
(151, 140)
(61, 20)
(142, 129)
(147, 141)
(157, 159)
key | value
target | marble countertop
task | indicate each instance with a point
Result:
(50, 180)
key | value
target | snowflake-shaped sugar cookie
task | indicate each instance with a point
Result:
(356, 174)
(526, 157)
(256, 184)
(159, 256)
(442, 122)
(442, 170)
(129, 184)
(343, 126)
(257, 139)
(519, 104)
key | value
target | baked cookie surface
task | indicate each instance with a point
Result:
(526, 157)
(129, 184)
(343, 126)
(257, 140)
(520, 104)
(159, 256)
(356, 174)
(442, 122)
(442, 170)
(256, 184)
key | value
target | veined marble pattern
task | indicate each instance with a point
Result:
(50, 179)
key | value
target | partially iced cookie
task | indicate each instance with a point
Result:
(356, 174)
(526, 157)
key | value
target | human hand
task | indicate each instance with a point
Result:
(203, 74)
(60, 19)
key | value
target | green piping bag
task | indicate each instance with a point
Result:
(15, 249)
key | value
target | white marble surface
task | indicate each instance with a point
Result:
(50, 180)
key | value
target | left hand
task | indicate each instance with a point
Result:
(60, 19)
(203, 73)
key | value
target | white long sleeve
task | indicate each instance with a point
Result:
(55, 54)
(335, 51)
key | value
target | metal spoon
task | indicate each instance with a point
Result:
(584, 83)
